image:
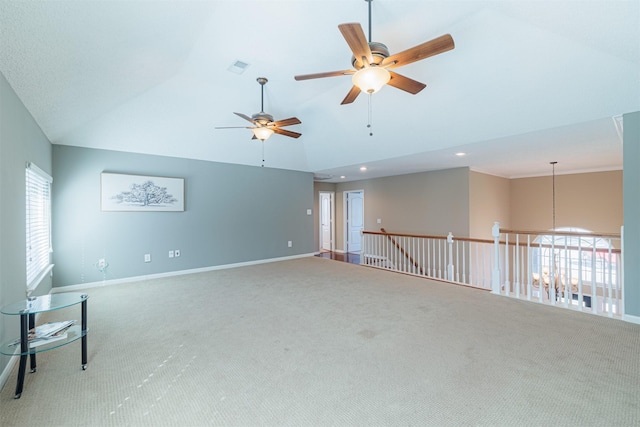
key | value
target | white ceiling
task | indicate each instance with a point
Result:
(528, 82)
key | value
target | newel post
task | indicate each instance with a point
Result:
(450, 265)
(495, 277)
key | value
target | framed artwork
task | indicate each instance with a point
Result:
(140, 193)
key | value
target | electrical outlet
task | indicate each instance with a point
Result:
(177, 253)
(147, 257)
(170, 254)
(289, 243)
(102, 264)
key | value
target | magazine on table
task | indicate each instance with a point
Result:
(47, 333)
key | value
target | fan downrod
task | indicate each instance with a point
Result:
(262, 117)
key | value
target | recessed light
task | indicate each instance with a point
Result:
(342, 177)
(460, 154)
(363, 168)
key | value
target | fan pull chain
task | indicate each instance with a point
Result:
(370, 115)
(262, 153)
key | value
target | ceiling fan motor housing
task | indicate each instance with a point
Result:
(379, 52)
(262, 118)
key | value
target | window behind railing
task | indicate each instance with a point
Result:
(574, 257)
(567, 267)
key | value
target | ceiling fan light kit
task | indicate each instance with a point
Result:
(262, 133)
(371, 79)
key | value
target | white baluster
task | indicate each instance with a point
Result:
(609, 280)
(422, 251)
(529, 268)
(464, 263)
(594, 296)
(541, 277)
(495, 277)
(580, 276)
(457, 261)
(516, 258)
(563, 276)
(507, 283)
(439, 259)
(450, 265)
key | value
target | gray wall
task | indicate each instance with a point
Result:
(21, 141)
(233, 214)
(631, 191)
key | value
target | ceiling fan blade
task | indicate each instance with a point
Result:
(405, 83)
(287, 122)
(326, 74)
(351, 96)
(356, 40)
(286, 132)
(247, 118)
(421, 51)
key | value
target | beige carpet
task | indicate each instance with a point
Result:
(315, 342)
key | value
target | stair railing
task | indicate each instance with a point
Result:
(403, 251)
(459, 260)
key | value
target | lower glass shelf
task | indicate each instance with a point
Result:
(74, 333)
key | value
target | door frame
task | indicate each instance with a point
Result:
(345, 216)
(332, 216)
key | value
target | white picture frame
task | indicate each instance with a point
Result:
(140, 193)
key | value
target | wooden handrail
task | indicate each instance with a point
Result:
(402, 251)
(560, 233)
(426, 236)
(383, 232)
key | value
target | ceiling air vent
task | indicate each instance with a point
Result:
(321, 177)
(238, 67)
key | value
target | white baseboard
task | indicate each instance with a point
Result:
(89, 285)
(631, 319)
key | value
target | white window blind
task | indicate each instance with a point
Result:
(38, 213)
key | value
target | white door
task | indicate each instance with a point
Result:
(326, 221)
(355, 219)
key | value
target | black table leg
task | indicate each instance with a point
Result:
(32, 356)
(84, 331)
(24, 348)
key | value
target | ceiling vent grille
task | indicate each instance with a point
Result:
(238, 67)
(321, 177)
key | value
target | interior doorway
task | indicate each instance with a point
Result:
(353, 220)
(327, 224)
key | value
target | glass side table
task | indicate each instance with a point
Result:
(27, 310)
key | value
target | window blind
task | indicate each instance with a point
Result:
(38, 216)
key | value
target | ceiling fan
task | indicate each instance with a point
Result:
(372, 63)
(263, 124)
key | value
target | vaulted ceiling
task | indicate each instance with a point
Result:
(528, 82)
